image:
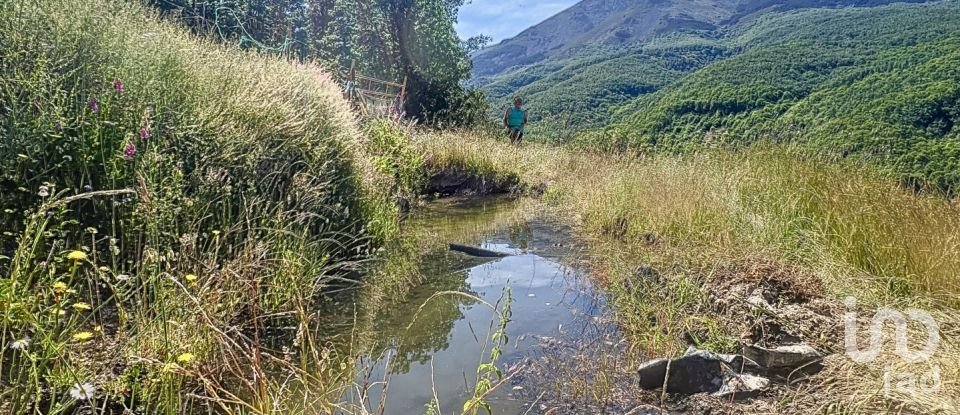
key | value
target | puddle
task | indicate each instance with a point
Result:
(434, 347)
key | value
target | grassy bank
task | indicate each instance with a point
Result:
(165, 199)
(764, 214)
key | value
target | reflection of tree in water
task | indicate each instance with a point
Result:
(430, 332)
(520, 235)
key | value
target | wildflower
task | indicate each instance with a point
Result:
(77, 256)
(216, 233)
(94, 105)
(185, 358)
(191, 278)
(129, 151)
(83, 336)
(118, 86)
(21, 344)
(145, 133)
(98, 328)
(83, 391)
(57, 311)
(60, 287)
(81, 306)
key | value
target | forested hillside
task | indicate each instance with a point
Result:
(876, 82)
(881, 83)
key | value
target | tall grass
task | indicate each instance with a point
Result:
(164, 201)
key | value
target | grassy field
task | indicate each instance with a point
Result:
(702, 219)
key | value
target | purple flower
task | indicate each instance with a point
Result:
(118, 86)
(129, 151)
(145, 133)
(94, 105)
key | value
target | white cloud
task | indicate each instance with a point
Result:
(504, 19)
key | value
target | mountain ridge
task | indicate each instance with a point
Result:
(622, 23)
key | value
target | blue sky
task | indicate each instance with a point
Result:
(503, 19)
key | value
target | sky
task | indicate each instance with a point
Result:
(502, 19)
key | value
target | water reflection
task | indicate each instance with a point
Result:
(409, 350)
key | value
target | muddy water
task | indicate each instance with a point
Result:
(429, 346)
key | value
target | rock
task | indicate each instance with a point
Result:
(735, 362)
(742, 386)
(782, 357)
(688, 374)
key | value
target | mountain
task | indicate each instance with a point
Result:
(575, 67)
(598, 23)
(879, 82)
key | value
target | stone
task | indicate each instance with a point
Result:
(782, 357)
(742, 386)
(688, 374)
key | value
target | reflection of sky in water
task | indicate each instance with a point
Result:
(547, 299)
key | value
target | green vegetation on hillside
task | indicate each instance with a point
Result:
(879, 83)
(581, 91)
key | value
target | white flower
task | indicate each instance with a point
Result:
(83, 391)
(20, 344)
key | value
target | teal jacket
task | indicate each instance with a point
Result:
(516, 117)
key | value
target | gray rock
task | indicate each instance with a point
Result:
(688, 374)
(742, 386)
(782, 357)
(735, 362)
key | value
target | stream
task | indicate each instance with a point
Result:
(429, 345)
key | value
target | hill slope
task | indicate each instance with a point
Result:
(596, 23)
(576, 66)
(880, 83)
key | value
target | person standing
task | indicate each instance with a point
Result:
(515, 118)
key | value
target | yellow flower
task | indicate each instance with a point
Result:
(191, 278)
(77, 256)
(57, 311)
(60, 287)
(81, 306)
(83, 336)
(98, 328)
(215, 233)
(185, 358)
